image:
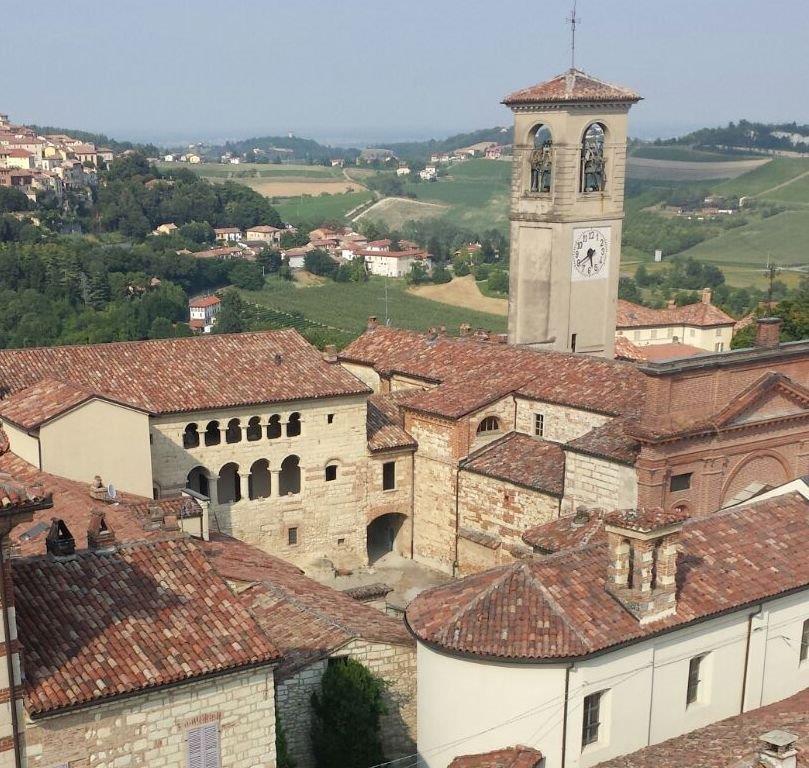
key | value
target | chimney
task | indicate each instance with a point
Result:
(100, 537)
(170, 523)
(373, 322)
(432, 333)
(97, 489)
(671, 304)
(768, 332)
(582, 517)
(330, 353)
(60, 542)
(778, 750)
(465, 329)
(641, 574)
(707, 294)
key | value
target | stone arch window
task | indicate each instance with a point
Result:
(191, 436)
(289, 478)
(260, 481)
(253, 431)
(540, 161)
(212, 434)
(331, 471)
(197, 480)
(488, 425)
(274, 427)
(233, 433)
(229, 485)
(593, 166)
(294, 425)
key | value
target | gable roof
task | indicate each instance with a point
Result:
(205, 301)
(181, 375)
(472, 373)
(144, 616)
(558, 607)
(700, 314)
(573, 86)
(385, 423)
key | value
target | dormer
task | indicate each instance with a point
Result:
(642, 569)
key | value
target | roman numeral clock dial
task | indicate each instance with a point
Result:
(591, 253)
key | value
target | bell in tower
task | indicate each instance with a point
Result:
(567, 208)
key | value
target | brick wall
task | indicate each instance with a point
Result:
(150, 730)
(395, 664)
(595, 482)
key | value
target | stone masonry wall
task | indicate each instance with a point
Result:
(561, 423)
(329, 516)
(594, 482)
(395, 664)
(150, 730)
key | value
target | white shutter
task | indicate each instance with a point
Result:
(194, 745)
(210, 748)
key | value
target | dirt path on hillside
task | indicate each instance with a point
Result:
(462, 292)
(782, 184)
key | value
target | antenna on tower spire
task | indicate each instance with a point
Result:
(573, 20)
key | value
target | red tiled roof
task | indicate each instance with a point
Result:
(180, 375)
(147, 615)
(609, 441)
(700, 314)
(226, 230)
(522, 460)
(572, 86)
(215, 253)
(478, 372)
(17, 152)
(31, 407)
(730, 743)
(196, 324)
(264, 229)
(565, 532)
(204, 301)
(385, 423)
(645, 519)
(558, 606)
(653, 353)
(302, 618)
(513, 757)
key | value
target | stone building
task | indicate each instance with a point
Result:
(651, 627)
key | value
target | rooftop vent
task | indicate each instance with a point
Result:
(330, 353)
(778, 749)
(582, 516)
(373, 322)
(59, 541)
(768, 332)
(278, 358)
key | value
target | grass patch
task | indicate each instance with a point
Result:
(320, 208)
(777, 171)
(223, 171)
(686, 154)
(346, 306)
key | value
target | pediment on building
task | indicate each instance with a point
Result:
(774, 396)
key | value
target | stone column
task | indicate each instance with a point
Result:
(244, 484)
(275, 483)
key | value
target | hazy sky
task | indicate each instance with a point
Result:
(378, 70)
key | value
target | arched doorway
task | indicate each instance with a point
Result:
(382, 535)
(289, 478)
(229, 487)
(260, 480)
(197, 480)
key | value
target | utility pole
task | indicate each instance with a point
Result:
(573, 20)
(387, 316)
(770, 272)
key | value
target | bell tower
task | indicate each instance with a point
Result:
(567, 208)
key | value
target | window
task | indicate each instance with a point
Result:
(292, 536)
(719, 347)
(718, 332)
(541, 160)
(539, 424)
(692, 690)
(212, 433)
(253, 430)
(294, 425)
(654, 333)
(389, 476)
(331, 472)
(489, 424)
(330, 418)
(636, 335)
(203, 746)
(670, 332)
(573, 342)
(680, 482)
(593, 173)
(805, 641)
(592, 719)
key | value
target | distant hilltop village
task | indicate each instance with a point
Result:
(53, 163)
(595, 525)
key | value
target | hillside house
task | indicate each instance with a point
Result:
(228, 234)
(202, 313)
(264, 234)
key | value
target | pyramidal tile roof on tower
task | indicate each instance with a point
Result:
(573, 86)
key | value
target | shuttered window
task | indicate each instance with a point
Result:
(203, 746)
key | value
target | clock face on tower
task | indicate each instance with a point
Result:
(591, 253)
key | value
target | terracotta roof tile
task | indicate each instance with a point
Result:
(177, 375)
(522, 460)
(608, 441)
(146, 615)
(730, 743)
(471, 373)
(573, 86)
(513, 757)
(645, 519)
(558, 606)
(654, 353)
(385, 423)
(566, 532)
(205, 301)
(700, 314)
(304, 619)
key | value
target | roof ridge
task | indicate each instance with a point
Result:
(557, 608)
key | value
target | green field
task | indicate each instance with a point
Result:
(796, 192)
(320, 208)
(347, 306)
(684, 154)
(763, 178)
(222, 171)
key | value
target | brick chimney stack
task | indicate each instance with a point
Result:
(373, 322)
(330, 353)
(98, 490)
(465, 329)
(707, 295)
(671, 304)
(642, 569)
(778, 750)
(100, 537)
(768, 332)
(60, 542)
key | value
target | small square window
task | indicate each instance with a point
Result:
(389, 476)
(718, 331)
(330, 418)
(341, 542)
(331, 473)
(539, 424)
(292, 536)
(680, 482)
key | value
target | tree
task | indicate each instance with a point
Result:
(498, 281)
(318, 262)
(628, 289)
(232, 313)
(247, 275)
(347, 712)
(12, 200)
(417, 275)
(161, 329)
(282, 757)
